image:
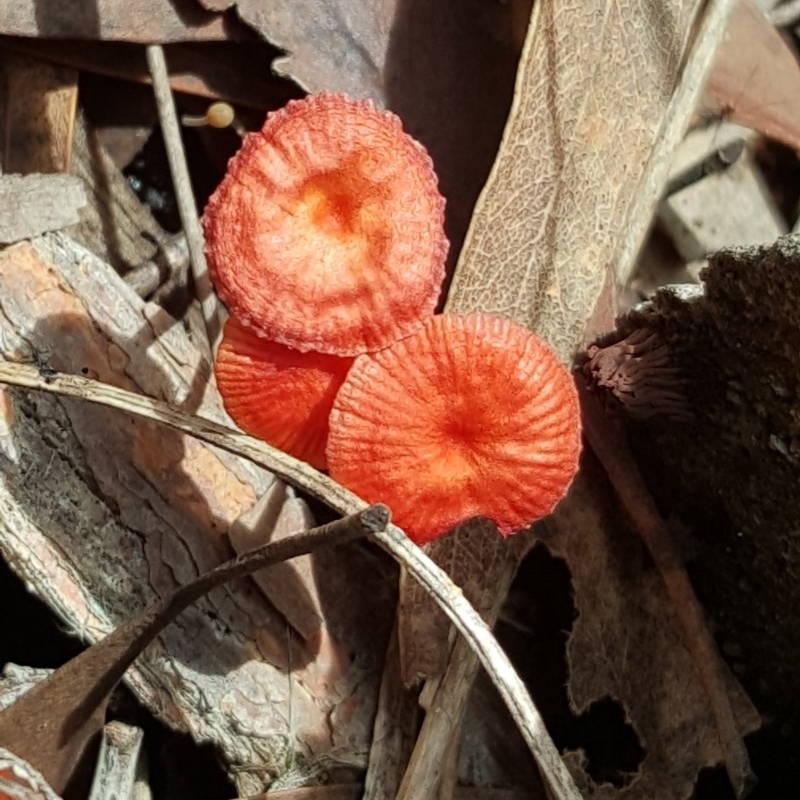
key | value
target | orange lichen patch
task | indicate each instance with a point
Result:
(277, 394)
(470, 416)
(327, 233)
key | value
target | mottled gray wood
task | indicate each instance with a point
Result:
(34, 204)
(100, 514)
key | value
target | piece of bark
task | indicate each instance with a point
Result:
(731, 473)
(100, 513)
(134, 21)
(16, 680)
(121, 771)
(56, 725)
(114, 225)
(20, 781)
(239, 73)
(40, 104)
(34, 204)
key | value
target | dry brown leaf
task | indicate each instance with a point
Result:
(476, 557)
(447, 68)
(132, 20)
(33, 204)
(237, 73)
(584, 121)
(626, 644)
(338, 45)
(755, 80)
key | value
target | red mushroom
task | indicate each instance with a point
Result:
(277, 394)
(327, 233)
(470, 416)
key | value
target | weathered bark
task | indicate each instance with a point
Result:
(101, 513)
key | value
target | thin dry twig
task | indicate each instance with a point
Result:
(435, 581)
(187, 208)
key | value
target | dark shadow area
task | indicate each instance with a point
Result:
(537, 619)
(31, 634)
(178, 767)
(449, 74)
(713, 784)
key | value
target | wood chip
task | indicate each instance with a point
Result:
(731, 207)
(41, 99)
(34, 204)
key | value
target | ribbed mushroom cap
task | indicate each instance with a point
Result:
(470, 416)
(277, 394)
(327, 232)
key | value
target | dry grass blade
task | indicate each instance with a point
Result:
(184, 196)
(447, 595)
(54, 726)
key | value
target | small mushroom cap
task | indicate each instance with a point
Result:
(277, 394)
(470, 416)
(327, 232)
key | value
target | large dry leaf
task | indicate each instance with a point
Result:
(627, 644)
(624, 646)
(589, 107)
(478, 560)
(101, 513)
(578, 169)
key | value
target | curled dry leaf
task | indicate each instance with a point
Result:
(279, 394)
(755, 79)
(330, 207)
(471, 416)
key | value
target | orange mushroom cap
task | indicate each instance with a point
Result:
(277, 394)
(470, 416)
(327, 232)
